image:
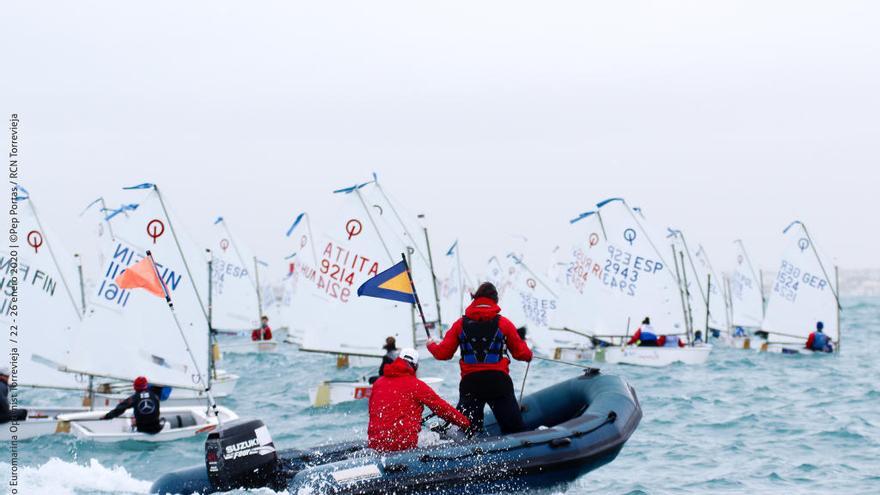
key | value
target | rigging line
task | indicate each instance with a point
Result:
(180, 251)
(375, 226)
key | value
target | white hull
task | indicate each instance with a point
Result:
(181, 422)
(221, 387)
(653, 356)
(573, 354)
(745, 343)
(793, 348)
(332, 392)
(40, 421)
(250, 346)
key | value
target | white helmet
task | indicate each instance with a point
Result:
(410, 355)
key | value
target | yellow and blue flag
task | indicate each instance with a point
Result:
(393, 283)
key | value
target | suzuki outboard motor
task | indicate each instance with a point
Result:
(241, 455)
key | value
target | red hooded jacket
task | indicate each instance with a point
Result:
(262, 333)
(396, 409)
(482, 309)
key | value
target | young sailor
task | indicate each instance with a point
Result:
(145, 401)
(818, 341)
(484, 337)
(264, 332)
(396, 403)
(391, 353)
(644, 336)
(7, 414)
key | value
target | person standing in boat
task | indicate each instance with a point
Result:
(818, 341)
(145, 401)
(391, 353)
(396, 403)
(484, 337)
(264, 332)
(7, 414)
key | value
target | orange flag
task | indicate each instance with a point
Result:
(141, 275)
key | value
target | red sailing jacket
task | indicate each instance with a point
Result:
(266, 333)
(396, 409)
(482, 309)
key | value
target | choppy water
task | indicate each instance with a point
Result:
(743, 423)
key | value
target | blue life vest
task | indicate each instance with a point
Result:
(647, 336)
(820, 342)
(481, 341)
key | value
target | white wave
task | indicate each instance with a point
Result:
(69, 478)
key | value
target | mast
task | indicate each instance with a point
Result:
(681, 293)
(212, 339)
(259, 296)
(839, 330)
(82, 286)
(708, 295)
(687, 292)
(433, 277)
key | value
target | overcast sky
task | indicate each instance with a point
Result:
(724, 119)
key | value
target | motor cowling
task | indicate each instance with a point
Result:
(241, 454)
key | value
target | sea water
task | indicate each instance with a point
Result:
(745, 422)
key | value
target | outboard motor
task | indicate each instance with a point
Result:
(241, 455)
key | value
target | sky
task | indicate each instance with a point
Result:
(723, 119)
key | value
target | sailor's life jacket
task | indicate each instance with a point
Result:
(647, 339)
(821, 342)
(146, 409)
(481, 342)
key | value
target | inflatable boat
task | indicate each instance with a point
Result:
(574, 426)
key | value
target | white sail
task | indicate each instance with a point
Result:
(746, 293)
(301, 258)
(234, 302)
(128, 333)
(352, 248)
(531, 302)
(578, 270)
(803, 292)
(636, 274)
(715, 290)
(47, 313)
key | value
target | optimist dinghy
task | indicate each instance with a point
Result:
(653, 356)
(40, 421)
(222, 386)
(180, 422)
(574, 427)
(330, 393)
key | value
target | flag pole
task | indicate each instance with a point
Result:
(415, 295)
(205, 388)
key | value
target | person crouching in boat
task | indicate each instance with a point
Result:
(396, 403)
(818, 341)
(391, 353)
(7, 414)
(644, 336)
(145, 401)
(264, 332)
(484, 337)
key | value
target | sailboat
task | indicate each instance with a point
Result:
(42, 319)
(623, 279)
(706, 301)
(127, 334)
(805, 292)
(454, 286)
(746, 294)
(236, 298)
(301, 258)
(353, 247)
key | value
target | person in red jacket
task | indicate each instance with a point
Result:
(396, 403)
(264, 332)
(484, 337)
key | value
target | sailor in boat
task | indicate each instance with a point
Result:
(145, 401)
(396, 403)
(391, 352)
(484, 337)
(644, 336)
(739, 331)
(264, 332)
(7, 414)
(698, 337)
(818, 341)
